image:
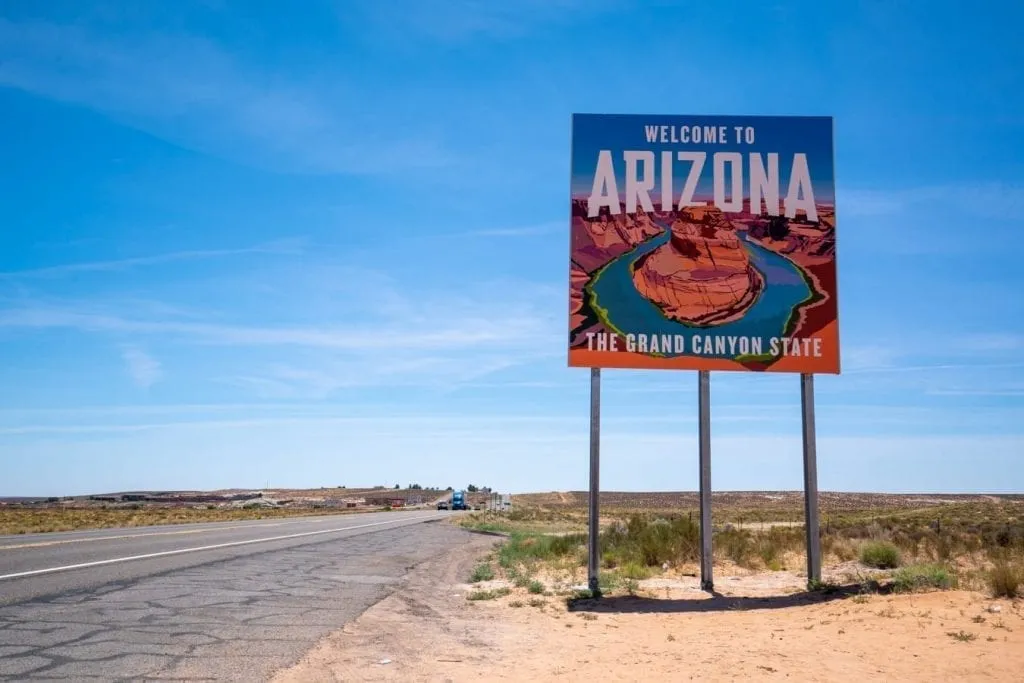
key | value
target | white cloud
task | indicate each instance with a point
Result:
(144, 370)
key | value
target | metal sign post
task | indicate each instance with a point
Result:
(810, 480)
(704, 426)
(593, 564)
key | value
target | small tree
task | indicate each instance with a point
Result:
(472, 489)
(396, 487)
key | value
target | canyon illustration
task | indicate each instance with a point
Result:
(701, 271)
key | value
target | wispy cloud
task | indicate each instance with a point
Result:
(937, 366)
(441, 370)
(870, 357)
(981, 351)
(979, 199)
(447, 335)
(995, 342)
(521, 231)
(328, 329)
(992, 393)
(187, 90)
(419, 425)
(279, 247)
(554, 425)
(462, 20)
(144, 370)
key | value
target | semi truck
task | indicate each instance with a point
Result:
(458, 502)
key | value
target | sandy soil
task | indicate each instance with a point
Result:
(761, 627)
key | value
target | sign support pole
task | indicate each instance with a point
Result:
(704, 420)
(810, 481)
(593, 561)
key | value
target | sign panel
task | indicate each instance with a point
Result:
(703, 243)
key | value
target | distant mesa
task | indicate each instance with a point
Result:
(597, 241)
(702, 275)
(806, 243)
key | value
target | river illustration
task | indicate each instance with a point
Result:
(626, 311)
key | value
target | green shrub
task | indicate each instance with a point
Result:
(922, 577)
(880, 554)
(535, 587)
(483, 572)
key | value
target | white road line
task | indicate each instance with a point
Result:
(97, 563)
(59, 541)
(89, 539)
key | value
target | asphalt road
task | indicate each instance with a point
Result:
(232, 601)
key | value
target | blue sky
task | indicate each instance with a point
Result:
(331, 247)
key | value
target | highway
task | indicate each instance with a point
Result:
(217, 601)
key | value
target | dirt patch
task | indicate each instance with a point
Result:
(758, 627)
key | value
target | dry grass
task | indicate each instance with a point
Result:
(15, 520)
(1006, 579)
(941, 541)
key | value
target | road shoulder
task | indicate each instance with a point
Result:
(414, 633)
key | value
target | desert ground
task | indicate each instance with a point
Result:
(919, 588)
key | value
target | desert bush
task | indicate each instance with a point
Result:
(775, 542)
(880, 554)
(520, 579)
(488, 595)
(607, 581)
(634, 570)
(920, 577)
(651, 542)
(535, 587)
(1006, 579)
(482, 572)
(525, 548)
(736, 544)
(839, 547)
(1004, 536)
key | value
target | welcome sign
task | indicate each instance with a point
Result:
(703, 243)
